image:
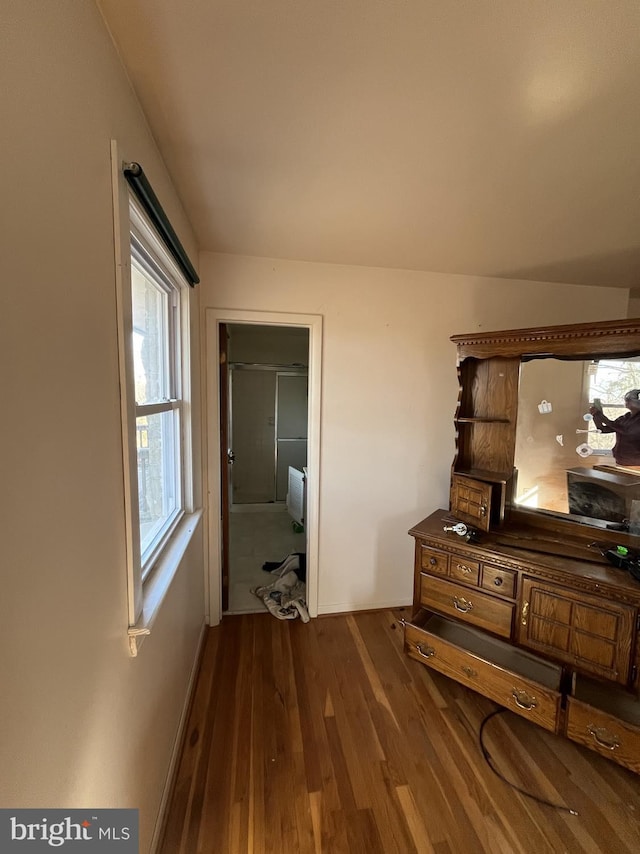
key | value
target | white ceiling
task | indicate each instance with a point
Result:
(489, 137)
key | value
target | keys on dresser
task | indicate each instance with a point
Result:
(459, 528)
(465, 531)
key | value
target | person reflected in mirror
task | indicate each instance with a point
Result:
(626, 451)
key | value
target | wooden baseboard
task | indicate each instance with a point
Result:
(349, 608)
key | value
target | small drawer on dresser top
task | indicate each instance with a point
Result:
(469, 605)
(432, 560)
(465, 570)
(517, 680)
(606, 719)
(499, 580)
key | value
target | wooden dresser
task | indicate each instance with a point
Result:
(523, 607)
(551, 638)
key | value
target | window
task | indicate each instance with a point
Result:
(154, 347)
(608, 382)
(155, 309)
(153, 301)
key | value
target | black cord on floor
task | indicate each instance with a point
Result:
(489, 762)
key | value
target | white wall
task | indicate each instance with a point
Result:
(388, 394)
(81, 723)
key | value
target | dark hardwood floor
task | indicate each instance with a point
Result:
(325, 737)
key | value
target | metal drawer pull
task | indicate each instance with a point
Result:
(604, 737)
(461, 604)
(463, 568)
(498, 582)
(425, 651)
(471, 673)
(523, 700)
(433, 561)
(525, 613)
(483, 509)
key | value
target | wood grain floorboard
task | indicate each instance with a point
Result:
(325, 738)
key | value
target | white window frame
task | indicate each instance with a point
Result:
(149, 576)
(153, 260)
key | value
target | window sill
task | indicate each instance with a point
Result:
(157, 585)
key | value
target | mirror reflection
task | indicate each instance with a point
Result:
(578, 440)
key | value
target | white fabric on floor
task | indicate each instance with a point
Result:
(285, 598)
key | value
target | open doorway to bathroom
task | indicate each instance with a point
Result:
(263, 415)
(266, 429)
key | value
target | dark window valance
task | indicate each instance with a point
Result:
(143, 190)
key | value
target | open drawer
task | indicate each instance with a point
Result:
(510, 676)
(606, 719)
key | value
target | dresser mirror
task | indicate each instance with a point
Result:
(527, 448)
(564, 464)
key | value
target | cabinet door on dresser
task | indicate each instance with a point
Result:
(471, 501)
(593, 634)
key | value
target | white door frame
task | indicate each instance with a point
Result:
(313, 322)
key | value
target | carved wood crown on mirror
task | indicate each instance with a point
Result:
(621, 337)
(505, 473)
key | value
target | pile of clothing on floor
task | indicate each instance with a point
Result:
(285, 597)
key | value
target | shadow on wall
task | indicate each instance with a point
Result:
(393, 560)
(615, 269)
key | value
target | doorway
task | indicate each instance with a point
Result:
(266, 396)
(267, 443)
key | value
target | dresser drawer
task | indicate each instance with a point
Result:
(432, 560)
(508, 676)
(499, 580)
(607, 720)
(474, 607)
(465, 570)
